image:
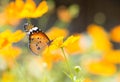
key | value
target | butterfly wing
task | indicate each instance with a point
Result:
(38, 41)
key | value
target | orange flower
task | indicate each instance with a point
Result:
(100, 67)
(115, 34)
(112, 56)
(100, 38)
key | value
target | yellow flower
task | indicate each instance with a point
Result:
(55, 32)
(51, 56)
(7, 51)
(14, 8)
(71, 45)
(40, 10)
(28, 9)
(18, 9)
(11, 12)
(100, 38)
(70, 40)
(115, 34)
(112, 56)
(100, 67)
(31, 11)
(10, 54)
(19, 35)
(9, 37)
(54, 53)
(58, 42)
(8, 77)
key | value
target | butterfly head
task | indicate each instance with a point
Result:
(29, 28)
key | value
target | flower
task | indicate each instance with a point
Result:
(8, 20)
(26, 9)
(10, 54)
(7, 51)
(54, 53)
(18, 9)
(7, 37)
(70, 40)
(115, 34)
(55, 32)
(71, 45)
(10, 14)
(100, 67)
(99, 37)
(40, 10)
(8, 77)
(112, 56)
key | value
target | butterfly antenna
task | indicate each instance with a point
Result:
(50, 41)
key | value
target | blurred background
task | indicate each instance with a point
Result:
(93, 57)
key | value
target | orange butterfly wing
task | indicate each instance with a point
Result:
(38, 41)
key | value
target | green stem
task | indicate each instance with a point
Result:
(67, 63)
(28, 20)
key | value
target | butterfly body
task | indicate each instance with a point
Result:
(38, 40)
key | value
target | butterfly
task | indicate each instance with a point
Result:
(38, 40)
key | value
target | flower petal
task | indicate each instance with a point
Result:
(41, 9)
